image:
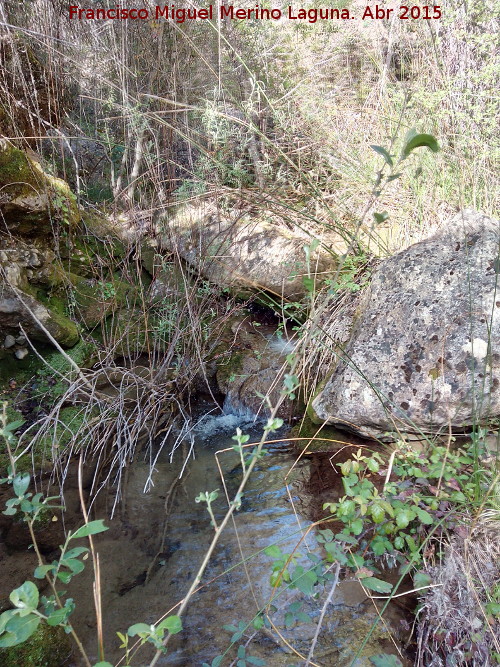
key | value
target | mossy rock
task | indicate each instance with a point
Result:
(98, 236)
(94, 301)
(32, 198)
(16, 307)
(47, 647)
(127, 332)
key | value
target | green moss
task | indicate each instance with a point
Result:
(95, 301)
(47, 647)
(313, 417)
(70, 423)
(228, 369)
(95, 229)
(23, 178)
(15, 169)
(64, 330)
(128, 332)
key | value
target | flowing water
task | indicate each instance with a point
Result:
(158, 538)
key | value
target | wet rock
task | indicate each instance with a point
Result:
(425, 350)
(254, 369)
(248, 254)
(9, 341)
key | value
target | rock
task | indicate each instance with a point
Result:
(96, 300)
(9, 341)
(246, 253)
(31, 199)
(21, 340)
(424, 352)
(21, 353)
(15, 307)
(254, 366)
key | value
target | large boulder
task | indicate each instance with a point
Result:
(424, 353)
(246, 253)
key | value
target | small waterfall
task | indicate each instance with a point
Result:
(232, 417)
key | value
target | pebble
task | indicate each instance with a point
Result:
(21, 340)
(21, 353)
(9, 341)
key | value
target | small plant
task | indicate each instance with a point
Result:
(352, 277)
(107, 291)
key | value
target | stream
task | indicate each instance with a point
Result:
(158, 537)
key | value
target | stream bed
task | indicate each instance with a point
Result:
(157, 539)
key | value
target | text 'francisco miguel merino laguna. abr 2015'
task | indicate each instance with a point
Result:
(311, 15)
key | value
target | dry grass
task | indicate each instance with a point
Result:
(454, 626)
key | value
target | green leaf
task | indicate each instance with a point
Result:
(411, 543)
(493, 608)
(76, 566)
(372, 465)
(25, 597)
(424, 516)
(403, 517)
(20, 484)
(103, 664)
(421, 579)
(308, 284)
(378, 513)
(325, 535)
(173, 624)
(377, 585)
(385, 660)
(57, 617)
(357, 526)
(42, 570)
(13, 426)
(139, 629)
(18, 629)
(379, 219)
(74, 553)
(417, 141)
(273, 551)
(258, 622)
(305, 581)
(256, 661)
(384, 153)
(5, 618)
(91, 528)
(399, 542)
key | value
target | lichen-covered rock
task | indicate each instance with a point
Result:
(425, 350)
(30, 198)
(247, 254)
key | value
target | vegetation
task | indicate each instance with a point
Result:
(362, 136)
